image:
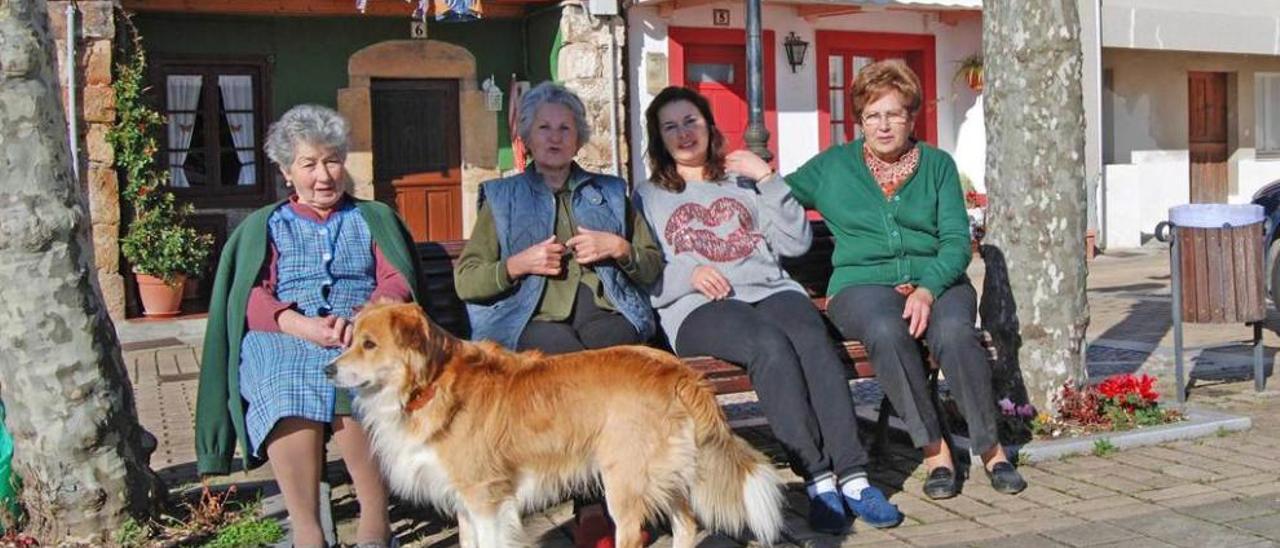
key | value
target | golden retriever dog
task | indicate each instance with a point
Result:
(486, 434)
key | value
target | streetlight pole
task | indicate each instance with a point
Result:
(756, 136)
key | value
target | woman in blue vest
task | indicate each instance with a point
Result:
(558, 254)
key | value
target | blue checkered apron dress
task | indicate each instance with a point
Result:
(327, 269)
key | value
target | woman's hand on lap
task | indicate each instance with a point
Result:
(747, 163)
(592, 246)
(916, 311)
(710, 282)
(319, 330)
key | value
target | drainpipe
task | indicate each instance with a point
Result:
(615, 150)
(1100, 191)
(73, 127)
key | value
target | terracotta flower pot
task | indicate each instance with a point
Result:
(974, 79)
(160, 300)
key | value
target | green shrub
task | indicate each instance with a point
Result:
(157, 240)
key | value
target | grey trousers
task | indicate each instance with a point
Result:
(873, 315)
(784, 346)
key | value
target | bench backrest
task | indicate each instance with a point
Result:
(441, 301)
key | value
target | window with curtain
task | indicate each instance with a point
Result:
(215, 122)
(1266, 113)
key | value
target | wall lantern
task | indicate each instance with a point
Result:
(795, 47)
(492, 94)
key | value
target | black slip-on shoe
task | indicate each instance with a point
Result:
(1006, 479)
(941, 483)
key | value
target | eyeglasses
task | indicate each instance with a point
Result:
(877, 119)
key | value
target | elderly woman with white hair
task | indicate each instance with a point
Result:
(289, 280)
(558, 254)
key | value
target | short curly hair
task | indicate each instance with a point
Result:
(314, 125)
(881, 78)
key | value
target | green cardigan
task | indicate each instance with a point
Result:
(920, 236)
(219, 408)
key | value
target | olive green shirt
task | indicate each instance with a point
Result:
(481, 272)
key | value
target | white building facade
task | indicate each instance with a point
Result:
(701, 43)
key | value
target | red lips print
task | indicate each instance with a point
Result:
(685, 237)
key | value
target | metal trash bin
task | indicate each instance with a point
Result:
(1217, 263)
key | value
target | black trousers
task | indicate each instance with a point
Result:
(873, 315)
(792, 361)
(588, 327)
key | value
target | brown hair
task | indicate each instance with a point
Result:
(662, 166)
(881, 78)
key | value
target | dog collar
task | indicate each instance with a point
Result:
(419, 398)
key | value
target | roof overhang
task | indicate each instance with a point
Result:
(949, 11)
(862, 5)
(331, 8)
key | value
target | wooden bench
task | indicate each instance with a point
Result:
(812, 270)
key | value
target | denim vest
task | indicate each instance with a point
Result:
(524, 213)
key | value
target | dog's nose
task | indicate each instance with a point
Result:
(331, 369)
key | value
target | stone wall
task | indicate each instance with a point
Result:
(95, 108)
(584, 68)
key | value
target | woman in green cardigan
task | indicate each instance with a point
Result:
(290, 278)
(897, 212)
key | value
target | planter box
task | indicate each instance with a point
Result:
(1198, 424)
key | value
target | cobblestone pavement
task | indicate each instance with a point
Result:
(1217, 491)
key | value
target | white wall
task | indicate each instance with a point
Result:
(797, 100)
(1224, 26)
(1137, 196)
(1145, 132)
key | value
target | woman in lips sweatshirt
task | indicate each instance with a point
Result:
(723, 293)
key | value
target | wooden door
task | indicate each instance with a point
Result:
(416, 154)
(1207, 136)
(719, 74)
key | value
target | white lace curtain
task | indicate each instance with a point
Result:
(183, 94)
(237, 95)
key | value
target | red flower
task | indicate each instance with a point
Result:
(1130, 391)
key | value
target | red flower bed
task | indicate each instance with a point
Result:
(1120, 402)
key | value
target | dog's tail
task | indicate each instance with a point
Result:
(736, 487)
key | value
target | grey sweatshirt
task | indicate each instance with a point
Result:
(736, 230)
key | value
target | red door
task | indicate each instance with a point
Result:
(719, 74)
(713, 63)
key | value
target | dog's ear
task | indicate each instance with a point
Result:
(414, 330)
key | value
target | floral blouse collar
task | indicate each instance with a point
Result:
(891, 175)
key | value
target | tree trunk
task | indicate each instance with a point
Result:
(1034, 301)
(78, 446)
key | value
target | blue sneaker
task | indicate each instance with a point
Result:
(874, 509)
(826, 514)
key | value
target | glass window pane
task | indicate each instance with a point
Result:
(195, 168)
(858, 63)
(835, 71)
(720, 73)
(836, 104)
(1269, 114)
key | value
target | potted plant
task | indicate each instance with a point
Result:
(970, 71)
(162, 250)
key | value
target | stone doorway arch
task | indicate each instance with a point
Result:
(412, 59)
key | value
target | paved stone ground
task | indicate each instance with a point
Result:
(1217, 491)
